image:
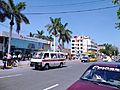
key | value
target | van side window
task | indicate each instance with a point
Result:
(46, 55)
(53, 56)
(62, 56)
(59, 56)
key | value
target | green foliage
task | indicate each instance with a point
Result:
(117, 2)
(13, 13)
(59, 30)
(109, 50)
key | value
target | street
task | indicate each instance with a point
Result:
(53, 79)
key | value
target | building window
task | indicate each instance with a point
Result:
(81, 44)
(72, 47)
(73, 51)
(81, 47)
(81, 40)
(73, 40)
(81, 51)
(72, 44)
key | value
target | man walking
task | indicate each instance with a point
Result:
(4, 61)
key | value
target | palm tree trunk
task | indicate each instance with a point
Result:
(10, 34)
(9, 42)
(54, 42)
(62, 45)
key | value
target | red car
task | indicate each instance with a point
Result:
(99, 77)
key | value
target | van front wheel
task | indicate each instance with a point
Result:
(61, 65)
(46, 66)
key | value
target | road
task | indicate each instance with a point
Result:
(54, 79)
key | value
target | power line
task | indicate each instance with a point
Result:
(69, 4)
(64, 12)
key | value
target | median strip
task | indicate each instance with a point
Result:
(51, 87)
(10, 76)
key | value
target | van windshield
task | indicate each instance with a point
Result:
(38, 56)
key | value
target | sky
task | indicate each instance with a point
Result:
(98, 24)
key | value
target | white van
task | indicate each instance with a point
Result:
(47, 59)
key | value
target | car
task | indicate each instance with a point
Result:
(93, 59)
(99, 76)
(85, 59)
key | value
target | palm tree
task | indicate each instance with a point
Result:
(64, 35)
(54, 27)
(4, 12)
(13, 12)
(40, 34)
(31, 34)
(50, 38)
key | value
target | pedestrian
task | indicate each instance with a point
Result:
(9, 58)
(14, 63)
(4, 61)
(19, 57)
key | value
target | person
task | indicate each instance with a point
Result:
(109, 59)
(14, 63)
(4, 61)
(9, 58)
(19, 57)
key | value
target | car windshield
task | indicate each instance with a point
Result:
(103, 75)
(85, 57)
(38, 56)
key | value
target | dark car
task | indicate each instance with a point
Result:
(99, 77)
(85, 59)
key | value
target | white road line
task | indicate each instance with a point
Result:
(10, 76)
(51, 87)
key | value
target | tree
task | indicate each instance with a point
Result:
(64, 35)
(109, 50)
(13, 13)
(31, 34)
(4, 12)
(40, 34)
(118, 13)
(54, 27)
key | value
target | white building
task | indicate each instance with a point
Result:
(80, 44)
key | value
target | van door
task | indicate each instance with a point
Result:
(53, 59)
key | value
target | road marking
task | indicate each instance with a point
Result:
(51, 87)
(11, 76)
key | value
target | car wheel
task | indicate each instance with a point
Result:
(46, 66)
(61, 65)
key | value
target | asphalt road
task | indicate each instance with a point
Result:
(27, 78)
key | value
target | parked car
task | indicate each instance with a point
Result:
(104, 76)
(85, 59)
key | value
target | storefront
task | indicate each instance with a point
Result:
(22, 44)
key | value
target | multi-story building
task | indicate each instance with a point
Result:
(81, 44)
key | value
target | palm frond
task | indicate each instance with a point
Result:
(24, 18)
(21, 6)
(11, 5)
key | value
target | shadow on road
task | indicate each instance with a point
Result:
(50, 68)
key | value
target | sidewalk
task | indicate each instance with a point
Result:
(20, 64)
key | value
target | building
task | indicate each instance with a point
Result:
(22, 43)
(102, 46)
(81, 44)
